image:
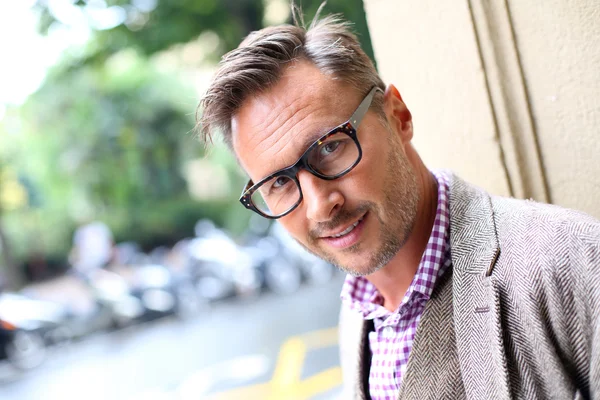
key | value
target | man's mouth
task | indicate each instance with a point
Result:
(347, 230)
(349, 236)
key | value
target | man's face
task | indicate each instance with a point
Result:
(357, 222)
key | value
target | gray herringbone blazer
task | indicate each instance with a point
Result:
(517, 316)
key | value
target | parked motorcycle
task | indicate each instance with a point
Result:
(153, 289)
(23, 348)
(220, 268)
(162, 293)
(315, 270)
(280, 272)
(29, 327)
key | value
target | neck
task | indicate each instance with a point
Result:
(393, 280)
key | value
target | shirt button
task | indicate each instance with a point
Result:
(388, 332)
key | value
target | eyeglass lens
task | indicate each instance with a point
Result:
(330, 157)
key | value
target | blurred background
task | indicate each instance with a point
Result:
(128, 269)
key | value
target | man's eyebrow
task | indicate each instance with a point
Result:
(316, 136)
(311, 139)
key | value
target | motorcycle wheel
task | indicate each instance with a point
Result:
(26, 351)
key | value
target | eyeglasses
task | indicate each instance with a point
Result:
(330, 157)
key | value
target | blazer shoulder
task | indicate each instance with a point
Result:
(546, 221)
(556, 242)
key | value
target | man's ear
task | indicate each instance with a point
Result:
(398, 114)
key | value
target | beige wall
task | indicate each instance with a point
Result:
(504, 92)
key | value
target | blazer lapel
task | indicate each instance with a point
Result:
(475, 249)
(433, 371)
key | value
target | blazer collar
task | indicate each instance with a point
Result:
(473, 238)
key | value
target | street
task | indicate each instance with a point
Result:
(270, 347)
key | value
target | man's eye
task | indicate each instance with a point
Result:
(280, 182)
(329, 147)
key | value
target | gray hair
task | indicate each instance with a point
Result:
(259, 61)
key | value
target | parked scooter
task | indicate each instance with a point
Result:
(23, 348)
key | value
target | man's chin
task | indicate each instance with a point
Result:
(355, 270)
(353, 261)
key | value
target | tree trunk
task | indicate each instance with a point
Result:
(9, 276)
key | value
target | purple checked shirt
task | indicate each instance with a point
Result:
(392, 338)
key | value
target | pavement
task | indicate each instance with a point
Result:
(273, 347)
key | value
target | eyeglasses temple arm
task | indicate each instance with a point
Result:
(248, 186)
(363, 108)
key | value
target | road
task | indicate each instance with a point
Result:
(273, 347)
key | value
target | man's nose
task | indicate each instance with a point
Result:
(321, 197)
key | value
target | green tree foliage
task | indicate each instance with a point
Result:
(115, 134)
(150, 26)
(108, 143)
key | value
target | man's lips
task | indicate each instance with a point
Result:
(344, 230)
(351, 235)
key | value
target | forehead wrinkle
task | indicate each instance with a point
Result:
(287, 111)
(291, 123)
(258, 142)
(288, 120)
(264, 144)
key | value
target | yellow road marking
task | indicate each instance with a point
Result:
(319, 383)
(286, 383)
(260, 391)
(289, 367)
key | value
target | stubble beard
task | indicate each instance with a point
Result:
(401, 196)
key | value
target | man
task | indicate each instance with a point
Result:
(451, 292)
